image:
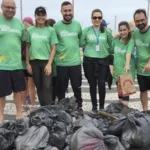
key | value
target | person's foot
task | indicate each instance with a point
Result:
(101, 108)
(94, 109)
(79, 109)
(25, 108)
(32, 107)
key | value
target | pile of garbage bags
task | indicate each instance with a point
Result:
(62, 127)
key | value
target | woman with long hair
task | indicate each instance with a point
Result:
(97, 40)
(123, 50)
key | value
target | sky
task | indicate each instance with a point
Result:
(122, 9)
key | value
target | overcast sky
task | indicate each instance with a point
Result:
(122, 9)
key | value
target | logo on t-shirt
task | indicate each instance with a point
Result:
(6, 28)
(140, 43)
(38, 36)
(93, 37)
(119, 50)
(66, 33)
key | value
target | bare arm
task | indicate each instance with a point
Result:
(29, 69)
(128, 59)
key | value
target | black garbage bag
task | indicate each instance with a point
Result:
(7, 138)
(58, 135)
(88, 138)
(35, 138)
(19, 126)
(115, 127)
(42, 114)
(113, 143)
(9, 125)
(136, 131)
(68, 104)
(118, 109)
(22, 125)
(51, 148)
(64, 117)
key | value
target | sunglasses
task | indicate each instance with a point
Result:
(99, 18)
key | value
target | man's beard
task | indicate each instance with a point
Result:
(66, 19)
(141, 26)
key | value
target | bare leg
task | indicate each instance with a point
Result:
(144, 100)
(32, 92)
(2, 105)
(18, 102)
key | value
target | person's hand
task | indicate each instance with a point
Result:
(127, 68)
(48, 70)
(111, 69)
(29, 69)
(146, 68)
(116, 36)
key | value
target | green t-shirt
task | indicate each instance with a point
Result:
(120, 51)
(89, 40)
(11, 35)
(40, 40)
(67, 51)
(142, 42)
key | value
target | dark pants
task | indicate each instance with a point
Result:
(42, 82)
(64, 73)
(54, 88)
(93, 80)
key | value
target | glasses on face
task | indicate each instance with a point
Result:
(10, 7)
(99, 17)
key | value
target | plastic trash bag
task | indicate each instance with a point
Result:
(68, 104)
(113, 143)
(19, 126)
(58, 135)
(116, 126)
(136, 131)
(34, 139)
(118, 109)
(88, 138)
(22, 125)
(41, 115)
(51, 148)
(7, 138)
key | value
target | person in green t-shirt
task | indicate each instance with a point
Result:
(67, 58)
(40, 51)
(97, 40)
(29, 95)
(142, 42)
(11, 69)
(123, 48)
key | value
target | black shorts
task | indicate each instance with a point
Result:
(124, 98)
(26, 74)
(11, 81)
(144, 82)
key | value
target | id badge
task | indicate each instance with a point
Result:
(97, 48)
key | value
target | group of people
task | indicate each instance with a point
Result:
(48, 57)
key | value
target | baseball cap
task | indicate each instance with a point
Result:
(28, 19)
(40, 10)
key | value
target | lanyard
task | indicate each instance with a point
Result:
(97, 36)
